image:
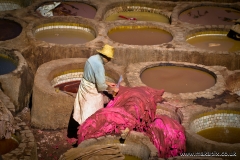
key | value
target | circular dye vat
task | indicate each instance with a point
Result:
(139, 35)
(7, 64)
(75, 9)
(225, 123)
(69, 82)
(176, 79)
(9, 29)
(139, 16)
(210, 15)
(71, 9)
(224, 134)
(7, 145)
(214, 41)
(64, 34)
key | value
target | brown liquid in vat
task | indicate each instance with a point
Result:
(224, 134)
(210, 15)
(64, 36)
(215, 43)
(176, 80)
(76, 9)
(140, 36)
(140, 16)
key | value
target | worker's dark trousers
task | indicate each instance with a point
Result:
(72, 127)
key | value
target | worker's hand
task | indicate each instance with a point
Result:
(115, 91)
(110, 84)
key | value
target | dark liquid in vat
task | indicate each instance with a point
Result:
(76, 9)
(210, 15)
(140, 36)
(6, 65)
(64, 36)
(9, 29)
(222, 134)
(215, 43)
(69, 86)
(175, 79)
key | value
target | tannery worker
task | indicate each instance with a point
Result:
(89, 97)
(234, 32)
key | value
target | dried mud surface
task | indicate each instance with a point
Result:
(51, 144)
(225, 97)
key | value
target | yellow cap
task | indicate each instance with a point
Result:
(107, 50)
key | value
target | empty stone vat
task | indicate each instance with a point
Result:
(137, 13)
(139, 35)
(136, 144)
(210, 15)
(16, 84)
(9, 29)
(64, 33)
(214, 41)
(52, 107)
(214, 132)
(67, 8)
(214, 79)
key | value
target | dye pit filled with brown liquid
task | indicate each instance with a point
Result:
(215, 42)
(176, 79)
(75, 9)
(139, 35)
(210, 15)
(7, 145)
(9, 29)
(64, 36)
(140, 16)
(222, 134)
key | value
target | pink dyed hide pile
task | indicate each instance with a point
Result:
(135, 108)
